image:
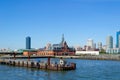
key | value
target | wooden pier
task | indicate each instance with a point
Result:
(38, 65)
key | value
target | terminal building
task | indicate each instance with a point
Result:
(60, 49)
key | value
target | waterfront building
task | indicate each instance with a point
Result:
(100, 46)
(113, 50)
(109, 42)
(87, 53)
(58, 49)
(29, 53)
(28, 42)
(117, 40)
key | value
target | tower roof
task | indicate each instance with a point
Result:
(63, 38)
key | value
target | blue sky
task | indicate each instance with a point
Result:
(46, 20)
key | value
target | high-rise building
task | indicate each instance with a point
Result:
(117, 39)
(109, 42)
(28, 42)
(90, 43)
(94, 45)
(100, 45)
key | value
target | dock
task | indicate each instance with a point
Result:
(38, 65)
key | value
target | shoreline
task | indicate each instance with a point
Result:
(95, 57)
(88, 57)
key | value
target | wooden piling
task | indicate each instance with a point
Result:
(38, 65)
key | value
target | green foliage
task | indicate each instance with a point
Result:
(102, 51)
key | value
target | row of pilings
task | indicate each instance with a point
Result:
(37, 65)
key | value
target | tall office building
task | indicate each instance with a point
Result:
(90, 43)
(28, 42)
(100, 45)
(117, 39)
(94, 45)
(109, 42)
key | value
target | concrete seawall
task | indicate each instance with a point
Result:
(94, 57)
(90, 57)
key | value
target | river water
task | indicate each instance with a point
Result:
(86, 70)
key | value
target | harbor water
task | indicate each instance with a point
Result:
(86, 70)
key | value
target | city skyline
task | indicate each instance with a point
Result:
(46, 21)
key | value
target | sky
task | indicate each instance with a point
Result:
(46, 20)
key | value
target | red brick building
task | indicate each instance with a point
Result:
(57, 49)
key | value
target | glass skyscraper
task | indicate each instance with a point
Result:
(109, 42)
(28, 42)
(117, 40)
